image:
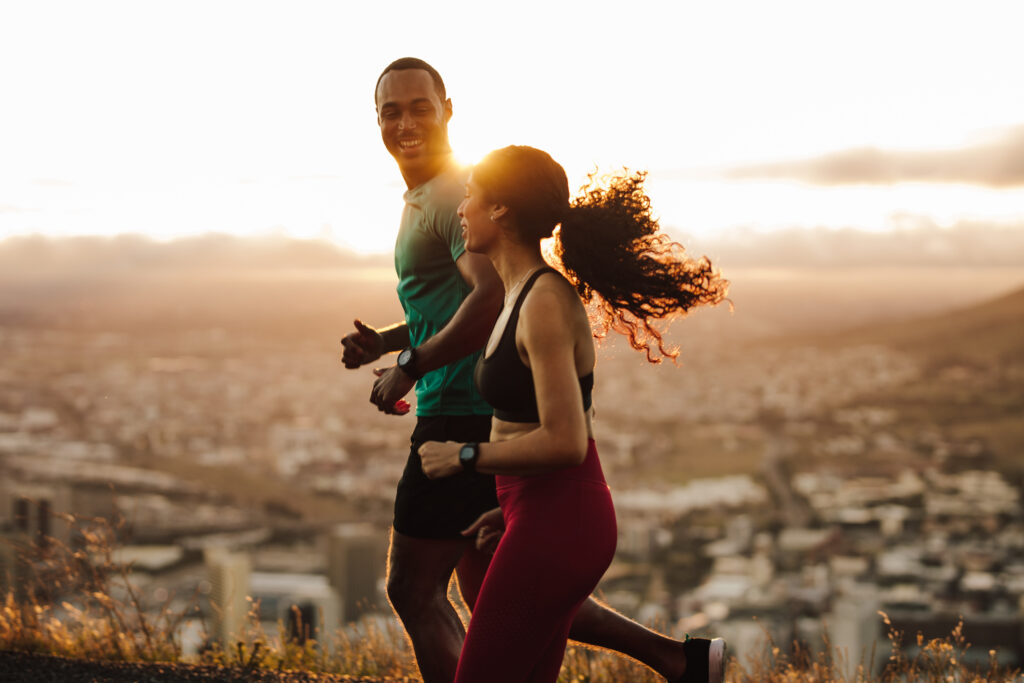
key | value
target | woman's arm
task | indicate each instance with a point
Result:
(547, 336)
(465, 333)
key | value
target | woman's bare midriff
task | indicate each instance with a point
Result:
(503, 431)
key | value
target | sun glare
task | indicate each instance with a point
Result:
(230, 136)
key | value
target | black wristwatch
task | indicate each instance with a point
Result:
(468, 455)
(407, 362)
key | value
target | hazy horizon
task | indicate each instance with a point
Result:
(782, 283)
(917, 243)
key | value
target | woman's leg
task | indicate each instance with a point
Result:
(559, 540)
(513, 623)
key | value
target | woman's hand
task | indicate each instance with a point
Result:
(488, 529)
(440, 459)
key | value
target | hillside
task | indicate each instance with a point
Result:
(991, 330)
(36, 256)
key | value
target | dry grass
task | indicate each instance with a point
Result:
(80, 603)
(940, 660)
(364, 650)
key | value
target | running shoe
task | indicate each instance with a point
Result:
(705, 661)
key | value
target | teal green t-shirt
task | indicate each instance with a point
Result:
(431, 288)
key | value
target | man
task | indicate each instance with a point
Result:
(451, 300)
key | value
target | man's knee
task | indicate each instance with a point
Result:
(400, 589)
(410, 594)
(419, 571)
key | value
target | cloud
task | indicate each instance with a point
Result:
(996, 163)
(913, 241)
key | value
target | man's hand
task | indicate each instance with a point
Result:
(392, 384)
(363, 346)
(440, 459)
(488, 529)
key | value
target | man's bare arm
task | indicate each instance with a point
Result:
(396, 337)
(465, 333)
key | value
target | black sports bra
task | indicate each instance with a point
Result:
(505, 382)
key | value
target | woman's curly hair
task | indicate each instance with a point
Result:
(609, 245)
(612, 251)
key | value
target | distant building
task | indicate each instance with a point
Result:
(854, 627)
(302, 602)
(229, 574)
(30, 508)
(39, 508)
(356, 561)
(799, 547)
(12, 568)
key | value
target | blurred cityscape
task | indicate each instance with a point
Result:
(786, 486)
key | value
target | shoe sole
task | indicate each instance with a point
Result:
(716, 661)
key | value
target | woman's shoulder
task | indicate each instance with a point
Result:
(553, 283)
(551, 294)
(553, 315)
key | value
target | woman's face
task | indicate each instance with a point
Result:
(478, 230)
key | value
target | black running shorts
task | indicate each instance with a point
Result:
(442, 508)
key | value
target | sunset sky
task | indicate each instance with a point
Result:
(253, 118)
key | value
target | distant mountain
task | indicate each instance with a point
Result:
(914, 242)
(77, 256)
(991, 329)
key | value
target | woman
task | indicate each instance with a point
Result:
(537, 372)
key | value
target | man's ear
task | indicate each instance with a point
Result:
(448, 110)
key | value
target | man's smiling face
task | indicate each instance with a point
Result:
(413, 122)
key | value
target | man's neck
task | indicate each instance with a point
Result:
(416, 177)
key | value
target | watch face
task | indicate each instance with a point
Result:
(407, 362)
(468, 454)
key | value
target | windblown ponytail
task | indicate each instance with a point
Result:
(608, 244)
(612, 251)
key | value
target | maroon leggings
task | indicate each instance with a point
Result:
(559, 539)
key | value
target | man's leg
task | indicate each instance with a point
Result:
(470, 571)
(419, 571)
(596, 624)
(426, 544)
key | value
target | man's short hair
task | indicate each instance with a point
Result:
(412, 63)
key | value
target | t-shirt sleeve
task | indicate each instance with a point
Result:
(448, 229)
